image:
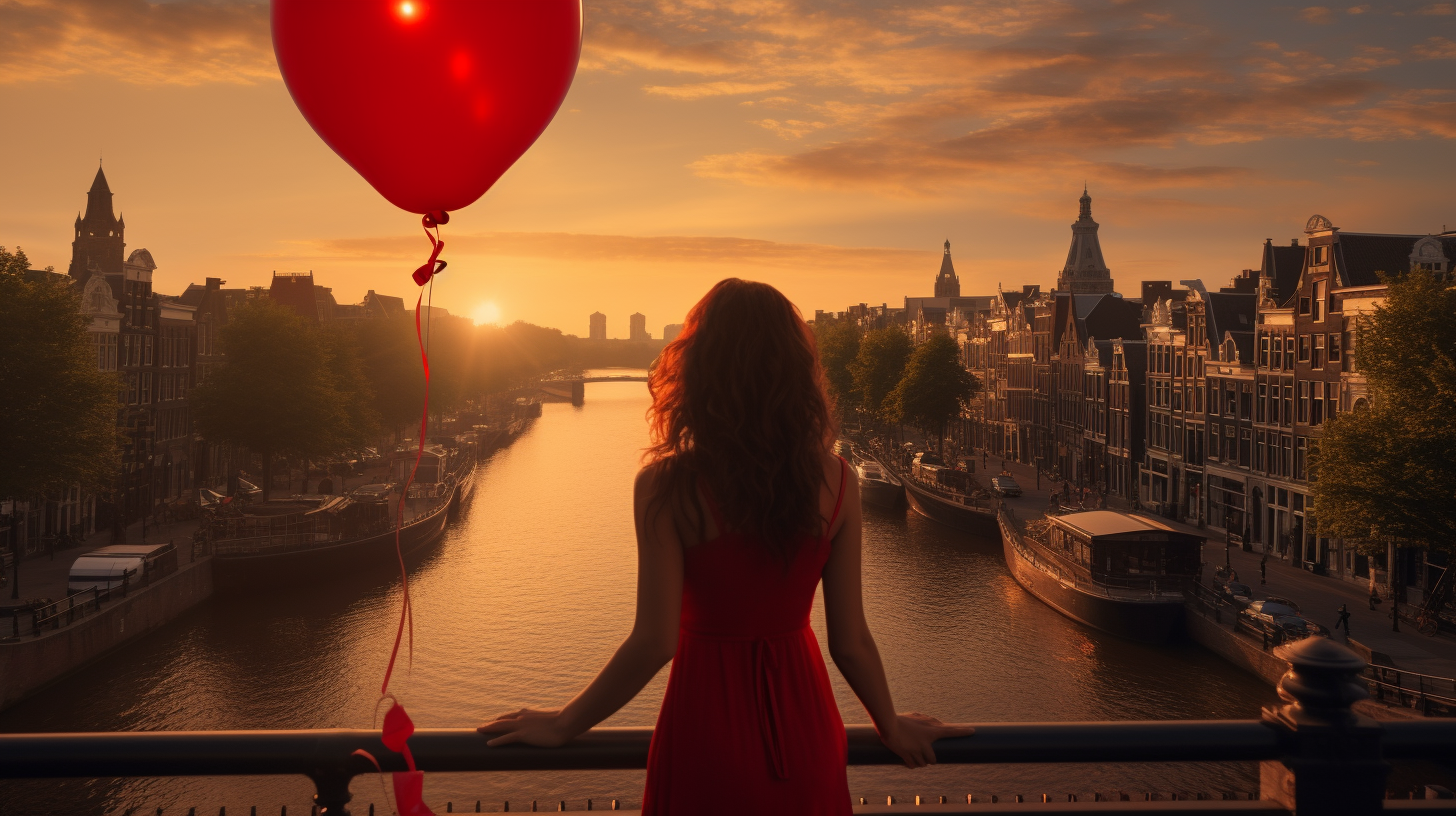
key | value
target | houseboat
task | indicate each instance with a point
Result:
(949, 496)
(309, 538)
(1124, 574)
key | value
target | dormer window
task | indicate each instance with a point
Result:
(1320, 255)
(1427, 255)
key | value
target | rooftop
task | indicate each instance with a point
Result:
(1107, 522)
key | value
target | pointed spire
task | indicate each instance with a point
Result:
(1085, 211)
(947, 246)
(98, 203)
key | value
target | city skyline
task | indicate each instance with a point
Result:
(775, 151)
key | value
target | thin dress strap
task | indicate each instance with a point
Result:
(838, 502)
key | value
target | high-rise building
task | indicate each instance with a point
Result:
(637, 327)
(598, 326)
(1084, 273)
(671, 331)
(947, 285)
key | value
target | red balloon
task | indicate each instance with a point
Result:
(429, 100)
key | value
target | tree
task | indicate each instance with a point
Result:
(1389, 471)
(275, 393)
(935, 388)
(878, 368)
(838, 342)
(57, 408)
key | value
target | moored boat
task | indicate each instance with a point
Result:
(952, 508)
(878, 486)
(1120, 573)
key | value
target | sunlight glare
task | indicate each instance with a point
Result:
(407, 9)
(486, 314)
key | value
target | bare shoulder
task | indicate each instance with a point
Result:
(650, 480)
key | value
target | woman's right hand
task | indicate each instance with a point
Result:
(910, 737)
(542, 729)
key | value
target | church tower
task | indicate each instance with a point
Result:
(1085, 273)
(99, 245)
(946, 283)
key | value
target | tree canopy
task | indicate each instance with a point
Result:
(282, 389)
(878, 368)
(1390, 471)
(935, 388)
(838, 342)
(57, 408)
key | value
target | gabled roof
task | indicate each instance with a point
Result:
(1282, 265)
(1230, 312)
(1360, 256)
(1112, 317)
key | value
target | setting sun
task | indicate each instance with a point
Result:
(486, 314)
(407, 9)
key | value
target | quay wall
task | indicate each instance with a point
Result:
(1236, 650)
(30, 663)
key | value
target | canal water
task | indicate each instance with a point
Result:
(532, 590)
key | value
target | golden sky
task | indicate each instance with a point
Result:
(825, 146)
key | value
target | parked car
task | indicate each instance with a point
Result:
(1005, 486)
(1285, 601)
(1236, 593)
(1296, 627)
(1268, 611)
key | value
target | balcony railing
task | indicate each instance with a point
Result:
(1316, 755)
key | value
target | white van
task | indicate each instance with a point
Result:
(108, 567)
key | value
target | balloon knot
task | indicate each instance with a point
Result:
(434, 265)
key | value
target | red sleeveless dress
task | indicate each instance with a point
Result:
(749, 723)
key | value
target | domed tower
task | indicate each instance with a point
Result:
(1085, 273)
(99, 245)
(946, 283)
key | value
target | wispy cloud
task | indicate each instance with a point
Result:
(705, 89)
(185, 43)
(560, 246)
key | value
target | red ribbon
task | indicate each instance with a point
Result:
(409, 785)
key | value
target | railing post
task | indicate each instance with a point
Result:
(1332, 758)
(332, 793)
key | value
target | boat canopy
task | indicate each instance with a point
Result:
(1097, 523)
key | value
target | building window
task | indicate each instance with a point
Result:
(1288, 353)
(147, 353)
(131, 395)
(1260, 407)
(1285, 455)
(1264, 351)
(1334, 347)
(1317, 407)
(1246, 399)
(1300, 451)
(146, 388)
(1230, 399)
(1303, 401)
(1303, 348)
(1259, 451)
(1317, 307)
(1304, 305)
(1287, 415)
(1317, 355)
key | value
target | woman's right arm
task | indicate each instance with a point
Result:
(645, 651)
(853, 649)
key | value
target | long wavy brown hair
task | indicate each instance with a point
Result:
(739, 406)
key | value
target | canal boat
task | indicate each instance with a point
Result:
(878, 486)
(312, 539)
(1121, 573)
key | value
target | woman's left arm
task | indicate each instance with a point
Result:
(640, 657)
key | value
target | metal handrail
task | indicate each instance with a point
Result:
(231, 753)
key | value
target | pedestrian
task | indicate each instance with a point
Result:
(983, 460)
(1374, 597)
(1344, 620)
(1264, 569)
(1003, 465)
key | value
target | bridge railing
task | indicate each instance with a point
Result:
(1316, 755)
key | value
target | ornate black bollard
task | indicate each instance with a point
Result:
(1332, 759)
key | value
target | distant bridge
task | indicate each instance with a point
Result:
(574, 388)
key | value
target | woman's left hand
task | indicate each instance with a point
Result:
(528, 726)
